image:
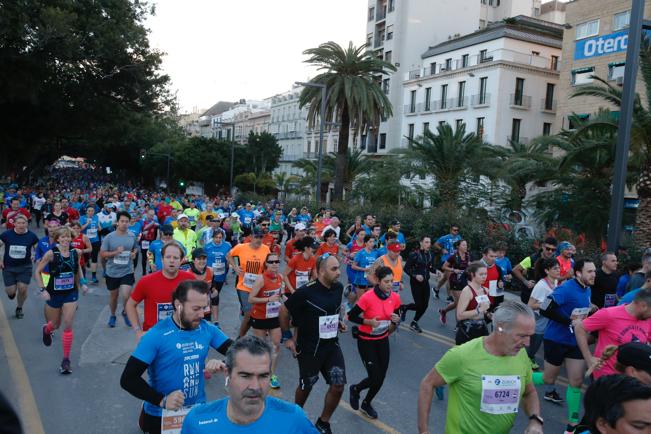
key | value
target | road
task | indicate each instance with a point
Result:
(91, 400)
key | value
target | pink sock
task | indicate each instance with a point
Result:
(66, 341)
(48, 327)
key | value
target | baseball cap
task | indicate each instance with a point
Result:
(635, 354)
(199, 252)
(300, 227)
(394, 247)
(209, 219)
(395, 222)
(236, 215)
(182, 216)
(167, 229)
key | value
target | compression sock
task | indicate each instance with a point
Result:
(66, 340)
(573, 399)
(538, 378)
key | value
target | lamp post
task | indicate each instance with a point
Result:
(232, 125)
(321, 130)
(168, 155)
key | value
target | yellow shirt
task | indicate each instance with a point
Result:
(188, 238)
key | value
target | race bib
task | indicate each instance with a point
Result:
(273, 309)
(144, 244)
(302, 277)
(247, 220)
(482, 299)
(249, 279)
(500, 394)
(328, 326)
(395, 286)
(64, 281)
(366, 270)
(610, 300)
(17, 252)
(164, 310)
(219, 268)
(91, 233)
(381, 328)
(581, 311)
(494, 290)
(172, 420)
(122, 259)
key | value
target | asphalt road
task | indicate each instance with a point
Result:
(91, 400)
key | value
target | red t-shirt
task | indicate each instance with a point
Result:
(156, 290)
(290, 252)
(163, 211)
(73, 214)
(326, 248)
(492, 275)
(271, 287)
(301, 268)
(9, 214)
(374, 307)
(78, 243)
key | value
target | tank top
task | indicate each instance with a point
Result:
(396, 269)
(78, 243)
(62, 273)
(472, 305)
(271, 286)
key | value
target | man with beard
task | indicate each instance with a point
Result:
(248, 407)
(173, 352)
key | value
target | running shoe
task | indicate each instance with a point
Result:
(443, 316)
(439, 393)
(112, 321)
(415, 327)
(322, 427)
(570, 429)
(95, 281)
(450, 299)
(368, 410)
(65, 367)
(19, 313)
(554, 397)
(354, 397)
(403, 313)
(47, 337)
(437, 294)
(126, 319)
(274, 383)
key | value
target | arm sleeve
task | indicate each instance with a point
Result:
(409, 265)
(219, 340)
(132, 381)
(355, 315)
(554, 313)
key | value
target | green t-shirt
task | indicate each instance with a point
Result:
(481, 400)
(193, 215)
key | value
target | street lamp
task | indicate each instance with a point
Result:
(321, 128)
(232, 125)
(168, 155)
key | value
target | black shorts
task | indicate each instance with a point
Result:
(556, 353)
(264, 324)
(328, 360)
(113, 283)
(95, 252)
(148, 423)
(214, 300)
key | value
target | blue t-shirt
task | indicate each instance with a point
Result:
(364, 259)
(18, 247)
(400, 238)
(177, 358)
(278, 416)
(156, 249)
(136, 228)
(217, 259)
(42, 248)
(246, 217)
(304, 218)
(447, 242)
(505, 265)
(621, 284)
(92, 230)
(628, 297)
(569, 296)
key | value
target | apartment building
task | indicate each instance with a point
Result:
(594, 43)
(399, 30)
(501, 82)
(256, 120)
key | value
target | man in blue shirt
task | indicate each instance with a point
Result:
(246, 218)
(173, 353)
(395, 228)
(90, 227)
(629, 296)
(217, 251)
(248, 409)
(445, 245)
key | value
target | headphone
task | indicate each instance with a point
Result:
(500, 329)
(226, 381)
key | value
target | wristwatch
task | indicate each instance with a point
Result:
(537, 418)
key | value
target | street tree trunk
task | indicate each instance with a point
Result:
(342, 155)
(643, 215)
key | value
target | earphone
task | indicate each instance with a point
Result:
(226, 381)
(500, 329)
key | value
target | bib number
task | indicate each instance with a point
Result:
(164, 310)
(302, 277)
(610, 300)
(91, 233)
(247, 220)
(122, 259)
(328, 326)
(581, 312)
(482, 299)
(494, 290)
(218, 268)
(381, 329)
(500, 394)
(172, 420)
(17, 252)
(249, 279)
(144, 244)
(65, 281)
(272, 309)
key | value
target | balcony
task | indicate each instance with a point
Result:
(310, 155)
(480, 100)
(379, 41)
(381, 14)
(520, 101)
(416, 73)
(458, 103)
(548, 106)
(523, 140)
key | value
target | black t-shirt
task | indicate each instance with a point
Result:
(313, 308)
(604, 284)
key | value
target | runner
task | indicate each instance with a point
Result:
(61, 292)
(330, 244)
(634, 360)
(119, 248)
(265, 298)
(494, 282)
(156, 289)
(351, 249)
(38, 200)
(246, 218)
(447, 246)
(58, 213)
(479, 370)
(395, 228)
(419, 266)
(604, 290)
(200, 270)
(82, 243)
(315, 311)
(377, 312)
(455, 266)
(90, 226)
(149, 235)
(174, 352)
(16, 264)
(364, 259)
(528, 271)
(217, 251)
(474, 304)
(204, 235)
(299, 232)
(539, 295)
(193, 214)
(184, 235)
(565, 251)
(247, 260)
(154, 253)
(302, 267)
(248, 408)
(10, 214)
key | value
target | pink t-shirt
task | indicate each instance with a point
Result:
(616, 327)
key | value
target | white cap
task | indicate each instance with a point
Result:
(182, 216)
(235, 215)
(300, 227)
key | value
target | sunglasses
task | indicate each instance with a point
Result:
(273, 262)
(550, 249)
(264, 225)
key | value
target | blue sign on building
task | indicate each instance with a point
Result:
(601, 45)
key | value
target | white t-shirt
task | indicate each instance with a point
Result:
(38, 202)
(337, 230)
(540, 293)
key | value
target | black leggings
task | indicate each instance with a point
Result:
(143, 257)
(420, 292)
(375, 356)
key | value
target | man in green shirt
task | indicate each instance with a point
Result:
(488, 378)
(193, 214)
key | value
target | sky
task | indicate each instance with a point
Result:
(227, 50)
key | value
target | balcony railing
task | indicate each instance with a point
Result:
(379, 42)
(410, 109)
(311, 155)
(381, 14)
(520, 101)
(548, 105)
(480, 100)
(523, 140)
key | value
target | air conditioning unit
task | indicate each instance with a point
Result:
(619, 81)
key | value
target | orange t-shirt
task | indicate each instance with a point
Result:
(271, 287)
(290, 252)
(301, 270)
(326, 248)
(251, 262)
(396, 269)
(207, 276)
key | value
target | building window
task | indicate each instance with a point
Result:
(441, 123)
(412, 102)
(519, 91)
(309, 146)
(582, 76)
(585, 30)
(388, 56)
(371, 13)
(428, 97)
(432, 68)
(425, 127)
(554, 65)
(549, 97)
(480, 127)
(464, 61)
(483, 83)
(621, 20)
(547, 129)
(458, 123)
(448, 64)
(386, 86)
(461, 94)
(482, 24)
(369, 39)
(616, 70)
(484, 57)
(383, 140)
(574, 119)
(390, 32)
(410, 131)
(515, 130)
(444, 96)
(392, 5)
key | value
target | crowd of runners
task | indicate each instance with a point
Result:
(303, 277)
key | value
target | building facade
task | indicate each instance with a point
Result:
(501, 82)
(256, 121)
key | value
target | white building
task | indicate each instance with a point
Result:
(397, 31)
(229, 123)
(500, 81)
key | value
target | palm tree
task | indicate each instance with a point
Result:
(357, 163)
(451, 157)
(284, 182)
(308, 179)
(354, 97)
